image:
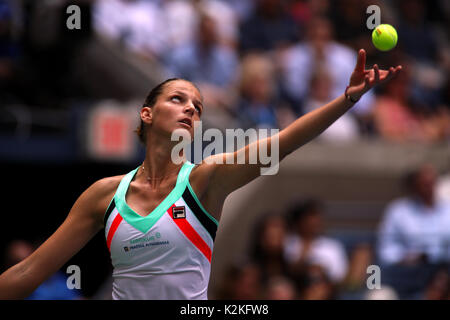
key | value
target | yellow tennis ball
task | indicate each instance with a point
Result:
(384, 37)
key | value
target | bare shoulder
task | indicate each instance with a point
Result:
(106, 185)
(98, 196)
(201, 174)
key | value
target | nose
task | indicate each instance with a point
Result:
(189, 108)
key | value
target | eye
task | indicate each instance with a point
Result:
(199, 110)
(176, 99)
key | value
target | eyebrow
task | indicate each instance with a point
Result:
(185, 95)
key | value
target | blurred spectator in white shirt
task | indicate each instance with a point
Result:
(416, 229)
(307, 246)
(183, 16)
(139, 25)
(320, 50)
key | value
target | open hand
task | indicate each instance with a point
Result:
(363, 80)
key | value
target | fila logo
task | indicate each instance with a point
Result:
(179, 212)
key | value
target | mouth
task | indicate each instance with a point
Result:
(187, 122)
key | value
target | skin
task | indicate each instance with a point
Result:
(211, 182)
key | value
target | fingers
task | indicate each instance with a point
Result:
(361, 61)
(367, 81)
(376, 71)
(393, 72)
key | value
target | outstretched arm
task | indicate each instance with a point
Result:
(82, 223)
(315, 122)
(225, 178)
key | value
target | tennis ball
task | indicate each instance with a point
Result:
(384, 37)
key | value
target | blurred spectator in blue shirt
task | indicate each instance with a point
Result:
(416, 229)
(204, 60)
(259, 105)
(212, 66)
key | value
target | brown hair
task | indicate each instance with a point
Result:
(149, 102)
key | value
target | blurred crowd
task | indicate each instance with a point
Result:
(259, 63)
(263, 63)
(293, 255)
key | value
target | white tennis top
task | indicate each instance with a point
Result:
(166, 254)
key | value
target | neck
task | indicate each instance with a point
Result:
(158, 164)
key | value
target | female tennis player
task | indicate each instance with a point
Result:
(160, 219)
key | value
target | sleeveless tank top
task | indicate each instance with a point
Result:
(166, 254)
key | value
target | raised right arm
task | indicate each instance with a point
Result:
(84, 220)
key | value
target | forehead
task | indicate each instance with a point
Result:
(184, 87)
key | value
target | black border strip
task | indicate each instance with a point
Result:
(111, 207)
(206, 222)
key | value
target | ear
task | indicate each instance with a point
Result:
(147, 115)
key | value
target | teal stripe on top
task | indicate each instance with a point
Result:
(139, 222)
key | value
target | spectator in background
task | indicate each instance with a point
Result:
(439, 286)
(269, 27)
(416, 229)
(396, 119)
(226, 20)
(206, 62)
(281, 288)
(268, 248)
(354, 286)
(242, 282)
(9, 53)
(316, 284)
(346, 127)
(320, 49)
(183, 16)
(303, 11)
(138, 25)
(256, 106)
(55, 288)
(307, 246)
(428, 78)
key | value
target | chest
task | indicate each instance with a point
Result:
(144, 199)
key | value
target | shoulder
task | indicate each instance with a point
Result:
(399, 204)
(398, 209)
(201, 174)
(107, 184)
(99, 194)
